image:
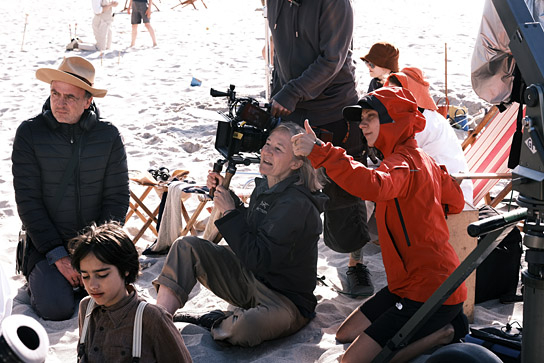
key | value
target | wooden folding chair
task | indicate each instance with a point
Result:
(184, 3)
(487, 150)
(136, 203)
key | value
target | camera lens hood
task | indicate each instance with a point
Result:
(23, 339)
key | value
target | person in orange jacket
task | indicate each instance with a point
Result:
(413, 196)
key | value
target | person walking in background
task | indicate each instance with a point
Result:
(382, 60)
(140, 11)
(108, 263)
(69, 170)
(102, 23)
(314, 78)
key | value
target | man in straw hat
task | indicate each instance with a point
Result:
(69, 170)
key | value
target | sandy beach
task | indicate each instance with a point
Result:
(167, 122)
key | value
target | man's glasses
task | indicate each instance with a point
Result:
(370, 64)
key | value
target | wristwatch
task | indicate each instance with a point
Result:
(318, 142)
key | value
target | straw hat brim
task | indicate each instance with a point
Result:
(48, 75)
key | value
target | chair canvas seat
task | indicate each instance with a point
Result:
(490, 151)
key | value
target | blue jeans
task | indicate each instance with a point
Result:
(51, 295)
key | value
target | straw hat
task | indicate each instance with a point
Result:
(76, 71)
(419, 87)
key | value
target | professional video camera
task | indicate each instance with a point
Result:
(246, 129)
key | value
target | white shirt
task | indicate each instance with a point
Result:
(97, 5)
(439, 140)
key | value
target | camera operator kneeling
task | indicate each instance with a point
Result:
(268, 270)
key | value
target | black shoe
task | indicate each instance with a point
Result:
(149, 252)
(359, 283)
(460, 327)
(205, 321)
(510, 298)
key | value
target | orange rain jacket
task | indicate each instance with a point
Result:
(418, 261)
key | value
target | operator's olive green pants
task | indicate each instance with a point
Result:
(260, 313)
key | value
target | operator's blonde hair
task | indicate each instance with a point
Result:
(309, 177)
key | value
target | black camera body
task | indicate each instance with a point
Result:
(246, 126)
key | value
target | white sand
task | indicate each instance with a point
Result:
(166, 122)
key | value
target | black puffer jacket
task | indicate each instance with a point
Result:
(98, 191)
(276, 238)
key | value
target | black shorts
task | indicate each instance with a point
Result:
(389, 312)
(138, 13)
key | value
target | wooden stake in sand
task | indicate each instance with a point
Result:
(446, 76)
(24, 32)
(444, 110)
(70, 28)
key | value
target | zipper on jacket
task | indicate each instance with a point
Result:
(402, 222)
(394, 243)
(78, 183)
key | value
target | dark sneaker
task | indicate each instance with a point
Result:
(185, 318)
(359, 283)
(150, 252)
(460, 327)
(205, 321)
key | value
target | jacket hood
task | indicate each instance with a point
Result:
(87, 121)
(400, 119)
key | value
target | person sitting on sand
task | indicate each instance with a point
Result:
(108, 263)
(268, 270)
(69, 170)
(382, 59)
(413, 195)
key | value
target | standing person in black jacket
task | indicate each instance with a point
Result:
(69, 170)
(268, 270)
(314, 79)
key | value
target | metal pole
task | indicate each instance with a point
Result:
(267, 55)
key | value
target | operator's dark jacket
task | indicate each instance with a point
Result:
(98, 191)
(314, 72)
(276, 238)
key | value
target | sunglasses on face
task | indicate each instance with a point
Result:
(370, 64)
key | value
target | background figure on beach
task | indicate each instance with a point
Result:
(107, 260)
(268, 270)
(382, 60)
(69, 170)
(314, 78)
(140, 11)
(102, 23)
(413, 196)
(438, 139)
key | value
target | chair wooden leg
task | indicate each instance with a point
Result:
(141, 204)
(147, 225)
(192, 220)
(507, 189)
(134, 207)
